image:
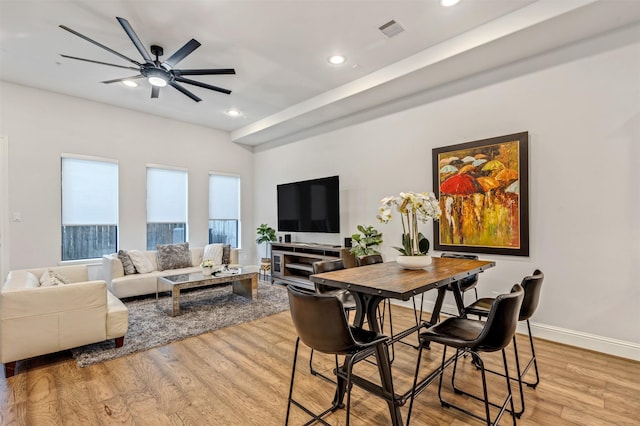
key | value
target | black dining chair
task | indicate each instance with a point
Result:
(346, 299)
(475, 337)
(322, 324)
(532, 286)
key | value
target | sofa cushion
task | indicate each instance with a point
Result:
(173, 256)
(127, 264)
(51, 278)
(213, 252)
(142, 263)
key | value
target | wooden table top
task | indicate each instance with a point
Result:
(390, 280)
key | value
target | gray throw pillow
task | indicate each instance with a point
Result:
(127, 263)
(226, 254)
(173, 256)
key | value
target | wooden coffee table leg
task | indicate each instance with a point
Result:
(175, 296)
(243, 288)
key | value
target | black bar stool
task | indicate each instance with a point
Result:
(532, 286)
(322, 325)
(475, 336)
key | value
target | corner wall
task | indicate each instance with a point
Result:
(41, 125)
(583, 119)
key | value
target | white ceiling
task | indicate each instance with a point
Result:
(284, 85)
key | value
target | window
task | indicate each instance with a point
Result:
(224, 209)
(166, 206)
(89, 207)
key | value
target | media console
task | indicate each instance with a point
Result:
(292, 263)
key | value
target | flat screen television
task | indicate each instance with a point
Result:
(309, 206)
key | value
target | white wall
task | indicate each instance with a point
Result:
(583, 119)
(41, 125)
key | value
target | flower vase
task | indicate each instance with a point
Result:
(414, 262)
(207, 270)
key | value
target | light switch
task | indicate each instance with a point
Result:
(17, 217)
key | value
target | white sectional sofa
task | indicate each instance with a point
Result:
(138, 284)
(37, 320)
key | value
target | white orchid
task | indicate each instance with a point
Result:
(413, 207)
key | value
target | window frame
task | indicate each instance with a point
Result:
(116, 236)
(239, 207)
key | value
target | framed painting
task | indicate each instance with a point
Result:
(483, 191)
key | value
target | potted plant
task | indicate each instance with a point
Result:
(363, 243)
(413, 207)
(266, 234)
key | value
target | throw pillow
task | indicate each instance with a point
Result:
(213, 252)
(226, 254)
(173, 256)
(50, 278)
(140, 261)
(127, 264)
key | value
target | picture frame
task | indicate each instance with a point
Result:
(483, 189)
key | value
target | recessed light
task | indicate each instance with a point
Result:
(337, 59)
(233, 112)
(130, 83)
(447, 3)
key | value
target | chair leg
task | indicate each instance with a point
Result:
(316, 417)
(415, 383)
(315, 372)
(533, 360)
(293, 373)
(508, 401)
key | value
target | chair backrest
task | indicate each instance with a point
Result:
(502, 321)
(369, 259)
(469, 282)
(326, 266)
(532, 286)
(320, 321)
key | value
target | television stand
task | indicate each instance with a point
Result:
(292, 263)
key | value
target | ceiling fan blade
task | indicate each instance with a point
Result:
(119, 80)
(98, 62)
(205, 71)
(155, 91)
(182, 53)
(99, 45)
(204, 85)
(185, 91)
(134, 38)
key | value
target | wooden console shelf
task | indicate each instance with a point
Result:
(292, 263)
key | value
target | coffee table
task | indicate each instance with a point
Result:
(244, 282)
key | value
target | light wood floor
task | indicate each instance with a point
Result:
(240, 376)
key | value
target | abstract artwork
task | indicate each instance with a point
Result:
(483, 191)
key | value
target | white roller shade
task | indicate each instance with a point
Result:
(224, 197)
(89, 192)
(166, 195)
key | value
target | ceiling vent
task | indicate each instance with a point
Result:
(391, 28)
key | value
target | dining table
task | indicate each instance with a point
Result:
(372, 284)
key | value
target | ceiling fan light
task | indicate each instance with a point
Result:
(157, 81)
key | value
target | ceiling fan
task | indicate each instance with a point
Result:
(158, 73)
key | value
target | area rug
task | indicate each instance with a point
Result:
(202, 310)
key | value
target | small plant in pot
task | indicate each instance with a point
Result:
(364, 242)
(266, 234)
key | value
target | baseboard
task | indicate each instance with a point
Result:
(565, 336)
